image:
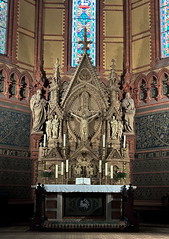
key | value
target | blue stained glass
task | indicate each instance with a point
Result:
(83, 15)
(3, 25)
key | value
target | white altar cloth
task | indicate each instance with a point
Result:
(68, 188)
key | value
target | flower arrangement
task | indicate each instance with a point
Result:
(47, 173)
(121, 174)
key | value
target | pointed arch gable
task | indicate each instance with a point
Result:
(138, 79)
(27, 76)
(16, 72)
(162, 72)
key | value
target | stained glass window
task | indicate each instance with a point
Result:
(164, 15)
(3, 25)
(83, 15)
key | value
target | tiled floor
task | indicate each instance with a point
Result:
(146, 232)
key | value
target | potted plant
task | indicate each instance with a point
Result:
(121, 175)
(47, 173)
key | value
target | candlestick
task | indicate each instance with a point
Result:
(62, 167)
(56, 171)
(124, 141)
(64, 140)
(111, 170)
(100, 166)
(104, 140)
(67, 165)
(44, 140)
(106, 169)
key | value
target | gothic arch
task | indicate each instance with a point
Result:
(28, 81)
(90, 89)
(16, 74)
(163, 76)
(5, 71)
(137, 89)
(152, 86)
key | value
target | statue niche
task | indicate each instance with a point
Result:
(84, 166)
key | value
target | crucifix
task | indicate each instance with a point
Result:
(85, 42)
(84, 120)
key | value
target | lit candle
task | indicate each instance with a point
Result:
(67, 165)
(100, 166)
(44, 140)
(62, 167)
(64, 140)
(111, 170)
(56, 171)
(104, 140)
(106, 167)
(124, 141)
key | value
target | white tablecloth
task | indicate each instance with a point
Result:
(83, 188)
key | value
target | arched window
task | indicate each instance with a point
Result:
(154, 89)
(3, 25)
(12, 87)
(164, 26)
(165, 81)
(143, 91)
(2, 79)
(23, 91)
(83, 15)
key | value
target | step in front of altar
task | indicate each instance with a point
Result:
(84, 224)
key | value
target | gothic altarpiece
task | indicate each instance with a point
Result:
(84, 135)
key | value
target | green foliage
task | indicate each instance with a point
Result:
(47, 173)
(121, 174)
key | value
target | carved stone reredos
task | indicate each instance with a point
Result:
(84, 124)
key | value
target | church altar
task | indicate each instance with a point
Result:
(84, 129)
(83, 207)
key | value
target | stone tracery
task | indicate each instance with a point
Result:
(84, 128)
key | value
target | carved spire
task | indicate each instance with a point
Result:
(112, 71)
(85, 42)
(56, 69)
(114, 79)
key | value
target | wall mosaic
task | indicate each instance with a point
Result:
(150, 193)
(152, 130)
(15, 164)
(15, 128)
(148, 179)
(150, 165)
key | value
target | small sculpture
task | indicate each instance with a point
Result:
(120, 129)
(114, 127)
(49, 129)
(129, 112)
(55, 127)
(37, 105)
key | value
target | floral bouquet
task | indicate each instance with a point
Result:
(47, 173)
(121, 174)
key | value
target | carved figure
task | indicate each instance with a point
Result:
(90, 171)
(84, 120)
(129, 112)
(49, 128)
(77, 170)
(55, 127)
(37, 105)
(120, 129)
(114, 127)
